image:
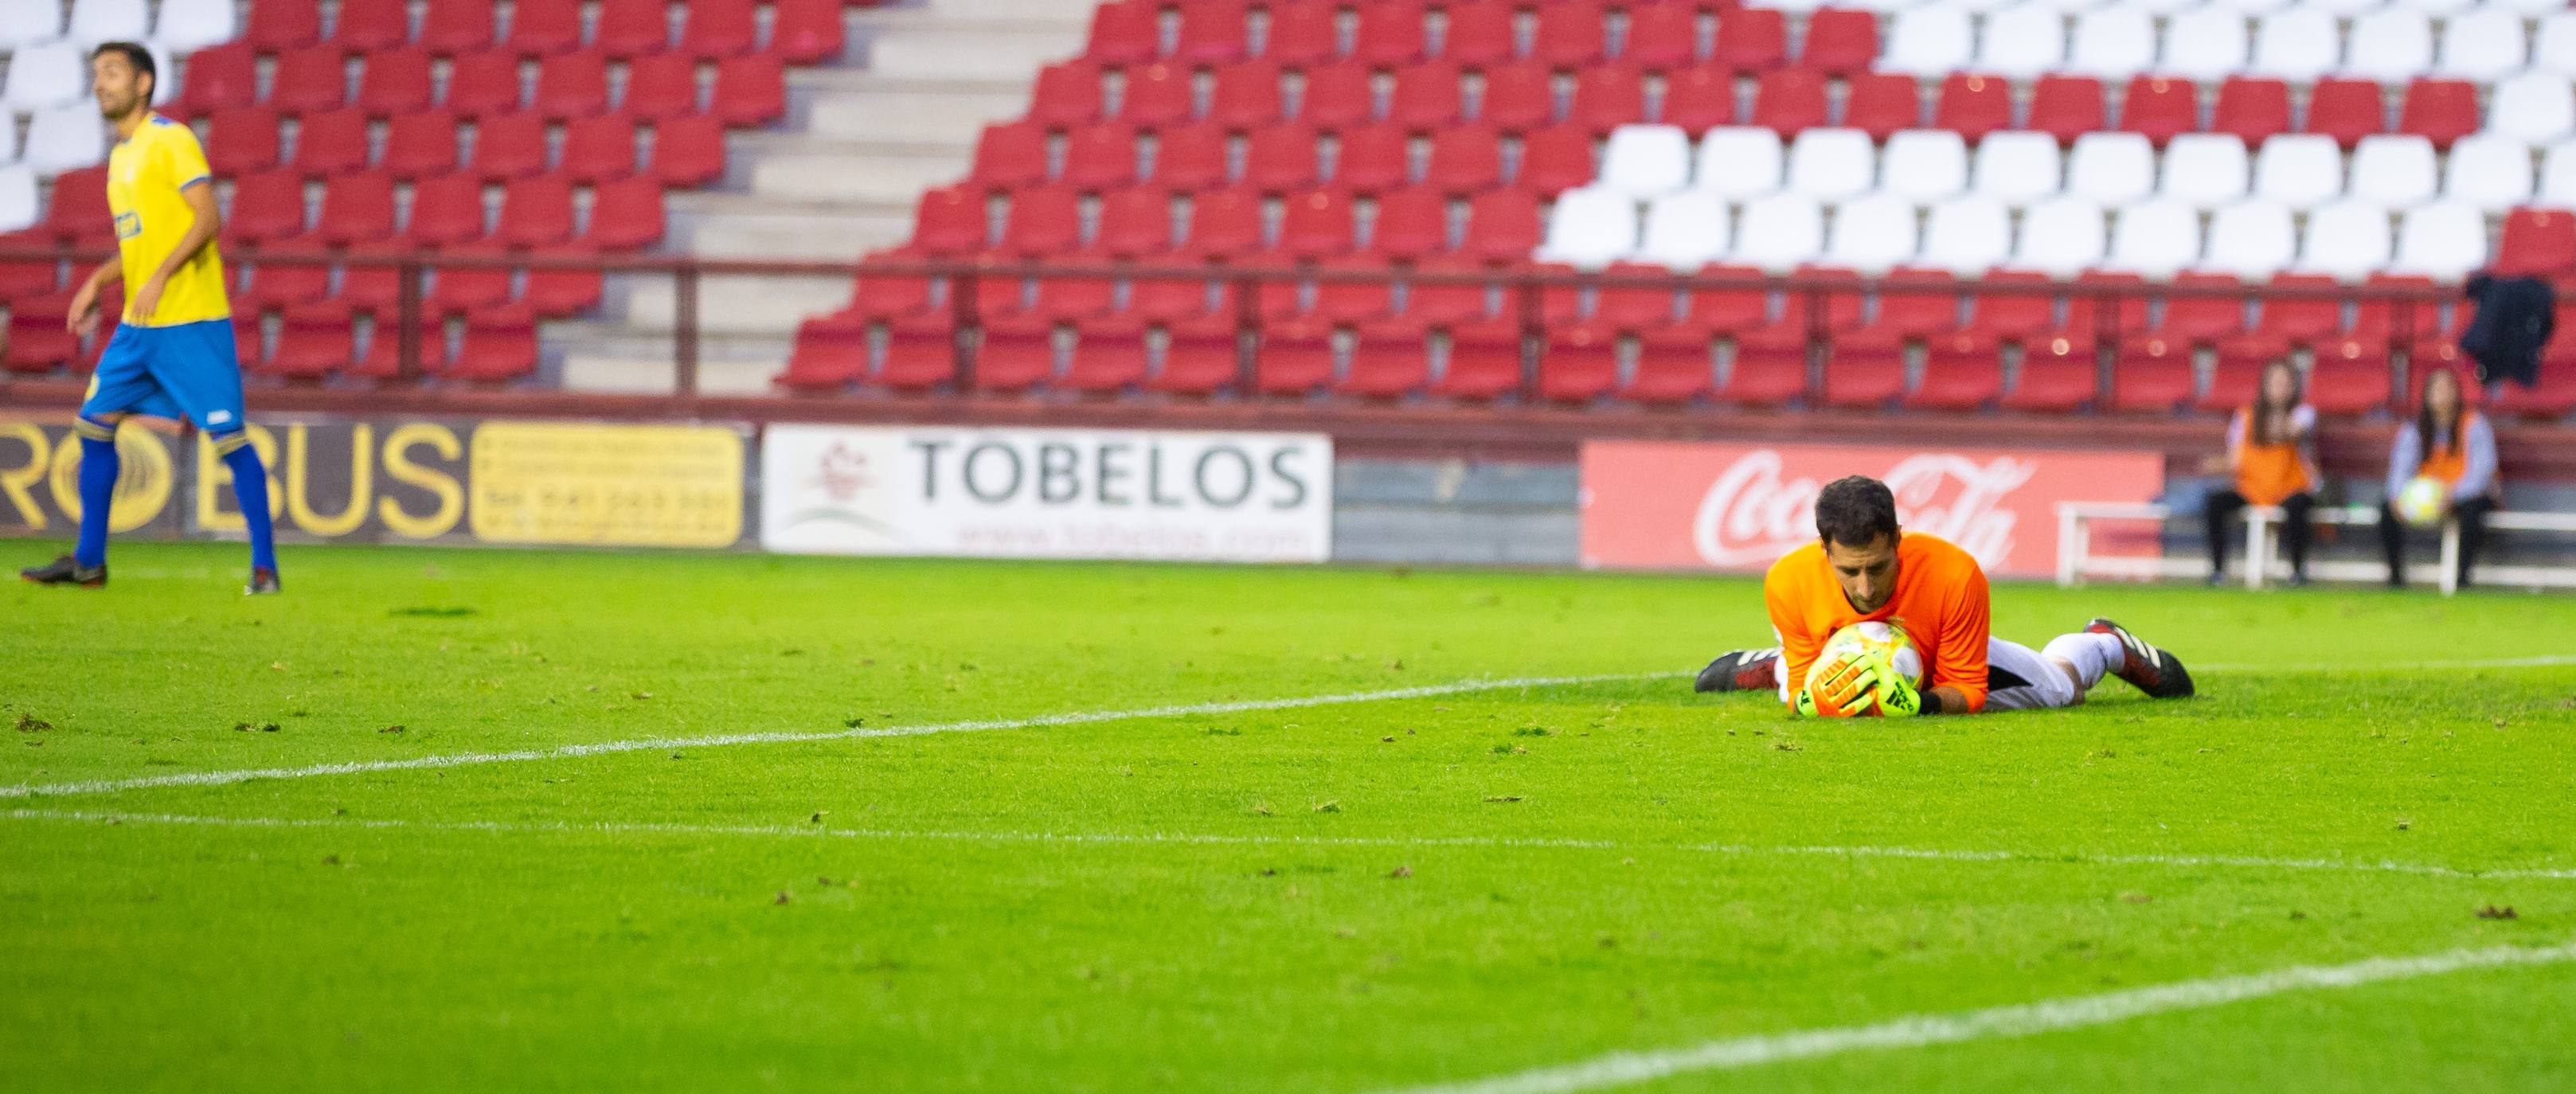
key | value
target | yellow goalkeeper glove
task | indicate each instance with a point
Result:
(1897, 696)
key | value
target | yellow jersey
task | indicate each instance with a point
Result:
(145, 173)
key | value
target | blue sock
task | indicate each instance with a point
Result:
(250, 487)
(98, 469)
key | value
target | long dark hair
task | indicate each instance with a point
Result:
(2424, 424)
(2265, 410)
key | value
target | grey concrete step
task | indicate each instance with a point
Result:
(1074, 12)
(919, 115)
(656, 375)
(750, 226)
(837, 173)
(971, 49)
(743, 305)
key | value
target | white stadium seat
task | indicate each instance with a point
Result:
(24, 23)
(2207, 169)
(186, 26)
(1832, 163)
(1798, 7)
(2300, 170)
(95, 21)
(2534, 8)
(2023, 42)
(1780, 232)
(2444, 241)
(1738, 161)
(65, 137)
(1929, 41)
(2555, 48)
(1590, 228)
(17, 198)
(2018, 166)
(2165, 7)
(2299, 45)
(1981, 7)
(2344, 9)
(1642, 161)
(2483, 45)
(2061, 238)
(2071, 7)
(1872, 234)
(2155, 239)
(2111, 168)
(1967, 235)
(1924, 165)
(2435, 8)
(2488, 171)
(2393, 169)
(1686, 231)
(2112, 44)
(45, 75)
(1883, 7)
(2558, 176)
(2534, 107)
(2391, 45)
(2251, 239)
(2251, 7)
(2205, 44)
(2348, 240)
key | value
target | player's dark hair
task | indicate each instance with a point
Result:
(134, 55)
(1854, 511)
(2424, 424)
(2265, 410)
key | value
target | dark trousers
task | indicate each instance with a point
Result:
(2470, 512)
(2295, 529)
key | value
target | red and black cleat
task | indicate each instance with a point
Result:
(262, 583)
(2154, 671)
(1741, 670)
(66, 571)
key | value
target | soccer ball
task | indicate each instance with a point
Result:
(1857, 641)
(2419, 502)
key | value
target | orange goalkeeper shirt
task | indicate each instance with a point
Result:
(1940, 600)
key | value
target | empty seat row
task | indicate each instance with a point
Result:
(800, 31)
(2347, 8)
(182, 25)
(491, 344)
(1234, 224)
(743, 90)
(2064, 236)
(685, 151)
(2298, 43)
(1395, 32)
(2205, 170)
(1292, 156)
(57, 73)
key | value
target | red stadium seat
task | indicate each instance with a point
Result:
(1631, 308)
(1571, 34)
(830, 351)
(458, 26)
(1458, 294)
(366, 26)
(1502, 224)
(1485, 361)
(1608, 95)
(1281, 157)
(2346, 110)
(1751, 39)
(1336, 95)
(806, 32)
(2160, 108)
(241, 140)
(1043, 221)
(536, 212)
(1246, 95)
(276, 25)
(1100, 157)
(1010, 154)
(1970, 105)
(383, 357)
(481, 84)
(2537, 242)
(2252, 109)
(309, 80)
(1316, 223)
(626, 215)
(446, 209)
(266, 206)
(571, 85)
(500, 345)
(1961, 371)
(2347, 379)
(1788, 100)
(543, 30)
(356, 208)
(1157, 94)
(1191, 157)
(1675, 364)
(687, 151)
(1018, 353)
(1350, 289)
(1067, 93)
(597, 149)
(661, 86)
(313, 342)
(1124, 32)
(396, 81)
(1410, 222)
(1555, 159)
(2203, 320)
(1302, 32)
(2066, 107)
(1372, 158)
(78, 211)
(1466, 158)
(1840, 41)
(1390, 32)
(1880, 103)
(1729, 310)
(1427, 96)
(1699, 99)
(509, 146)
(1171, 299)
(2057, 376)
(1662, 36)
(1518, 95)
(456, 289)
(219, 77)
(1212, 32)
(1295, 356)
(1224, 224)
(2153, 374)
(1390, 358)
(1579, 363)
(630, 28)
(1481, 34)
(420, 144)
(1134, 222)
(332, 143)
(718, 28)
(2441, 111)
(750, 90)
(38, 342)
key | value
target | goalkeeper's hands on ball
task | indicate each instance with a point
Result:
(1871, 677)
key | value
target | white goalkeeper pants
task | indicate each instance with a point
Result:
(2017, 678)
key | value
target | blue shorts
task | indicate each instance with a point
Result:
(187, 370)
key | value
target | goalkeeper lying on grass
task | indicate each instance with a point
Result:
(1863, 569)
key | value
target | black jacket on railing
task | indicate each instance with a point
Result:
(2514, 319)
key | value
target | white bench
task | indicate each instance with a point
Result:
(2076, 561)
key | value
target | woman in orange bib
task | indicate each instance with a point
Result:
(2451, 444)
(2271, 453)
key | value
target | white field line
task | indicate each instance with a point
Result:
(2401, 666)
(2020, 1020)
(1212, 839)
(464, 759)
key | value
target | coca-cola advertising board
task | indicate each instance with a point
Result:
(1739, 507)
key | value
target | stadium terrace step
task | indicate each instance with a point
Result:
(860, 171)
(746, 226)
(747, 305)
(653, 374)
(852, 104)
(972, 49)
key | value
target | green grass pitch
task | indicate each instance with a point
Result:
(1348, 897)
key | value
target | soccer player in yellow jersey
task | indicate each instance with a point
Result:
(172, 355)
